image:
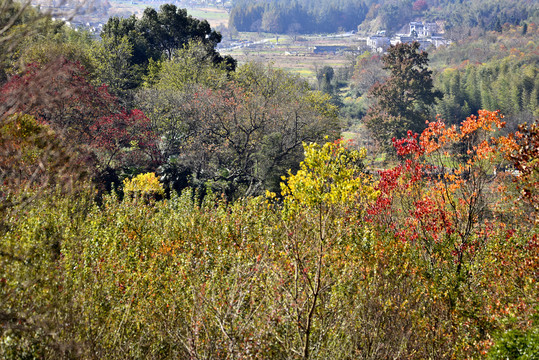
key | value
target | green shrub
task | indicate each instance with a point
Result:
(516, 345)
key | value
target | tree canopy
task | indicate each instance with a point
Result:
(158, 34)
(403, 101)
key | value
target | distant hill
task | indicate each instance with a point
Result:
(319, 16)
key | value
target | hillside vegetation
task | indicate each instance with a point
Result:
(308, 16)
(161, 201)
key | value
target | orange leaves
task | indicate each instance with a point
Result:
(485, 121)
(437, 135)
(438, 194)
(484, 150)
(508, 143)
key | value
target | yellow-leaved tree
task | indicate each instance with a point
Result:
(328, 191)
(146, 186)
(331, 175)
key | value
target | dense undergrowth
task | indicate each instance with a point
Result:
(340, 265)
(141, 234)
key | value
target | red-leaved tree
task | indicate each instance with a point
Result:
(59, 95)
(439, 195)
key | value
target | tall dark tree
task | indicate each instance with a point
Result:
(403, 101)
(158, 34)
(324, 76)
(171, 28)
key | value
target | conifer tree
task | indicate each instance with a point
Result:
(403, 101)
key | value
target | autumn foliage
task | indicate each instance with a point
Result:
(134, 225)
(59, 95)
(432, 256)
(450, 198)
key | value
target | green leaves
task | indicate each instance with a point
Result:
(190, 66)
(516, 345)
(113, 63)
(160, 33)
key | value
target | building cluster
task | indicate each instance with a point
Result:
(424, 33)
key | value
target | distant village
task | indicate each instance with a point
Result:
(350, 43)
(426, 34)
(92, 16)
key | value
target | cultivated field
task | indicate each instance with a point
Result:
(294, 53)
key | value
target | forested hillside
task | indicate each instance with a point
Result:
(161, 201)
(510, 85)
(308, 16)
(484, 70)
